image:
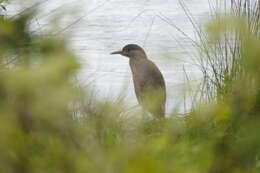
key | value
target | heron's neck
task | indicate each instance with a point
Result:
(138, 56)
(136, 63)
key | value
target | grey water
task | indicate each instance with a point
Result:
(97, 27)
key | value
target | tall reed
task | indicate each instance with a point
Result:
(220, 61)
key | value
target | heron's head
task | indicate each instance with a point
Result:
(131, 51)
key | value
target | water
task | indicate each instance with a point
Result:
(98, 27)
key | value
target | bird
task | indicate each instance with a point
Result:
(149, 83)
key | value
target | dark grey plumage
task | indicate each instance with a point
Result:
(148, 80)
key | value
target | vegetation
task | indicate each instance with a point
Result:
(47, 124)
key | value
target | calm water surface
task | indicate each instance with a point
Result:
(99, 27)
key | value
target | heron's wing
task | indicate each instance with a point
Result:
(151, 78)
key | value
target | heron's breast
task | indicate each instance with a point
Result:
(138, 69)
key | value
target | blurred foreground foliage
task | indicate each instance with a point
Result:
(40, 130)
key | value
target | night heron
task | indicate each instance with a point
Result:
(149, 83)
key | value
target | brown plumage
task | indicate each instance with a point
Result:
(149, 83)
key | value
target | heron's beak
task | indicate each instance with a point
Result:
(117, 52)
